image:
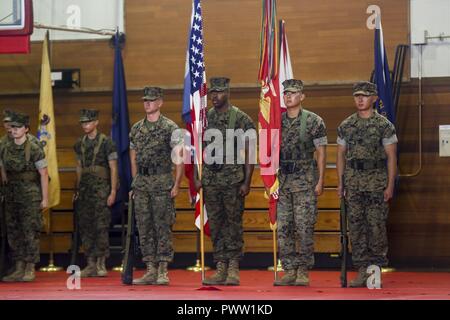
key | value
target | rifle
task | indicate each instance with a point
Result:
(130, 246)
(344, 243)
(75, 235)
(4, 239)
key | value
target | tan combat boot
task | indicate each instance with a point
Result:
(220, 276)
(302, 277)
(101, 268)
(29, 273)
(361, 280)
(233, 273)
(17, 274)
(288, 279)
(163, 276)
(149, 277)
(91, 268)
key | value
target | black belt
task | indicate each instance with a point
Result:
(290, 167)
(25, 175)
(149, 171)
(365, 164)
(215, 167)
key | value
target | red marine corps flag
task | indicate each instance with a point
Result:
(269, 106)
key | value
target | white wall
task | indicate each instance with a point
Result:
(434, 17)
(94, 14)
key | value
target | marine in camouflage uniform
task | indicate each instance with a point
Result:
(4, 261)
(96, 191)
(225, 185)
(366, 163)
(154, 189)
(8, 114)
(26, 193)
(301, 182)
(7, 118)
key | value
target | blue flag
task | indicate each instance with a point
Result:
(120, 129)
(382, 77)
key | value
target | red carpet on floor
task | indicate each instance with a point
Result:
(255, 285)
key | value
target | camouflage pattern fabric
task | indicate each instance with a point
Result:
(296, 217)
(106, 152)
(4, 139)
(225, 208)
(229, 174)
(155, 216)
(292, 149)
(365, 140)
(219, 84)
(87, 115)
(22, 199)
(365, 88)
(367, 216)
(154, 208)
(297, 203)
(93, 212)
(292, 85)
(221, 189)
(153, 143)
(152, 93)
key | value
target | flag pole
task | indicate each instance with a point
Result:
(202, 218)
(51, 265)
(275, 265)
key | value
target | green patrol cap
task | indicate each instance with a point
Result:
(19, 119)
(7, 115)
(87, 115)
(365, 88)
(152, 93)
(219, 84)
(292, 85)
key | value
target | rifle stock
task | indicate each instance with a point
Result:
(75, 247)
(344, 243)
(130, 246)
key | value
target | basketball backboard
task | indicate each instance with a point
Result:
(16, 26)
(16, 17)
(78, 14)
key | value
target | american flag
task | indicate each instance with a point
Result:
(194, 100)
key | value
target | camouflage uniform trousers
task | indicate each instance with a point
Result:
(367, 215)
(155, 216)
(94, 216)
(296, 217)
(23, 222)
(225, 208)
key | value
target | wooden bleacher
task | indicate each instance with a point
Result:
(257, 234)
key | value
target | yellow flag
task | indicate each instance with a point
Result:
(46, 128)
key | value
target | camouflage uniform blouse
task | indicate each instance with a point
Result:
(107, 151)
(302, 152)
(229, 174)
(153, 143)
(365, 139)
(13, 159)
